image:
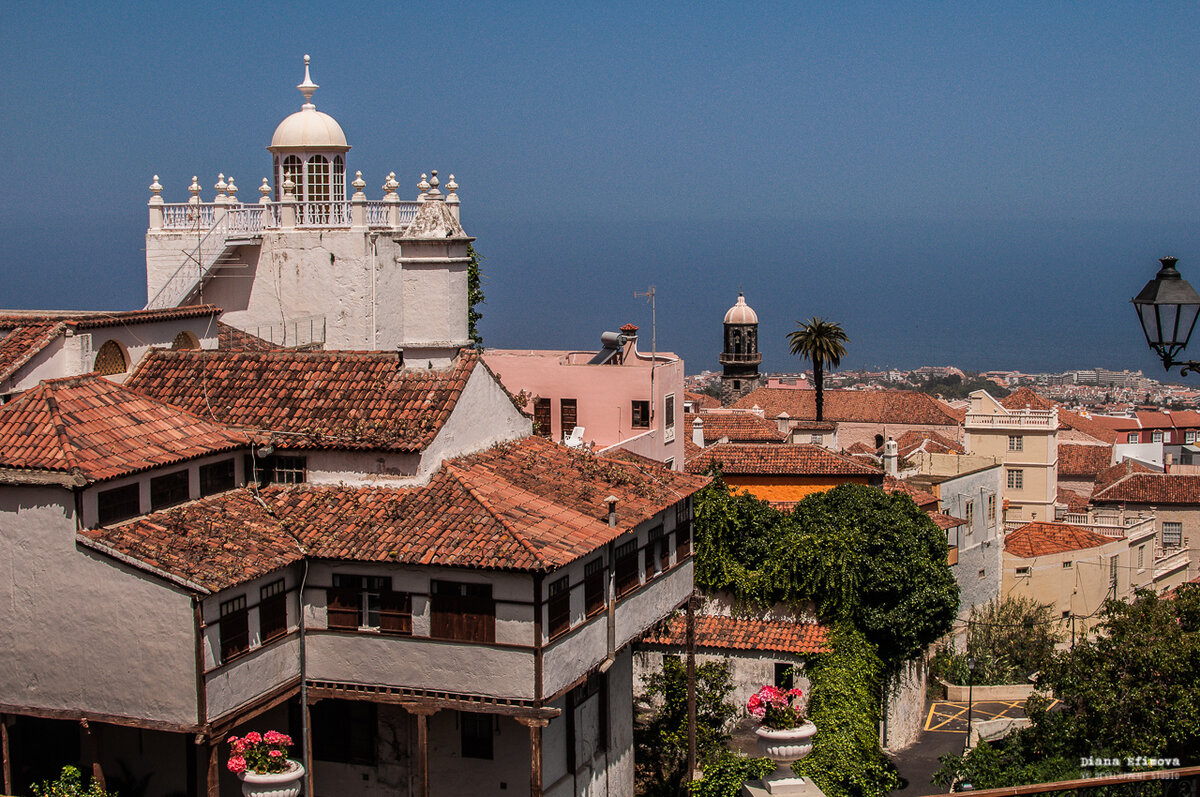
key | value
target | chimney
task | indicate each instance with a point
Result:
(630, 333)
(612, 510)
(891, 457)
(698, 432)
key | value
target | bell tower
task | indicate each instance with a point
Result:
(740, 357)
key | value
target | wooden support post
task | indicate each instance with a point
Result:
(308, 753)
(423, 713)
(93, 753)
(535, 725)
(5, 754)
(213, 780)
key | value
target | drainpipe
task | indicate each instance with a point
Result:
(374, 265)
(612, 590)
(305, 720)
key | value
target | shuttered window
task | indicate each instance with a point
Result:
(569, 413)
(541, 417)
(462, 611)
(368, 603)
(117, 504)
(216, 477)
(559, 607)
(395, 613)
(593, 587)
(626, 567)
(640, 413)
(234, 628)
(272, 611)
(168, 490)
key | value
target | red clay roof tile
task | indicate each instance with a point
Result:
(721, 632)
(1083, 460)
(1151, 488)
(854, 406)
(793, 459)
(738, 427)
(1042, 539)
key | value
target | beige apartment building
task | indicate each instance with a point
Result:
(1025, 441)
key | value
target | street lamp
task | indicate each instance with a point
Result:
(1167, 308)
(970, 696)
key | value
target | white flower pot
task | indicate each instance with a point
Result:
(288, 783)
(785, 747)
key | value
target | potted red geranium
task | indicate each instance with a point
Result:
(260, 760)
(784, 732)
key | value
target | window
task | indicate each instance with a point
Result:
(559, 607)
(969, 509)
(1066, 614)
(1189, 437)
(991, 508)
(982, 575)
(272, 611)
(641, 415)
(626, 567)
(1132, 437)
(593, 587)
(650, 553)
(1156, 437)
(1016, 442)
(541, 417)
(683, 531)
(669, 411)
(1022, 571)
(669, 463)
(235, 631)
(216, 477)
(368, 602)
(568, 410)
(168, 490)
(1141, 557)
(1068, 565)
(344, 731)
(1172, 534)
(1112, 572)
(816, 439)
(1016, 479)
(117, 504)
(111, 359)
(292, 170)
(462, 611)
(784, 678)
(477, 734)
(275, 470)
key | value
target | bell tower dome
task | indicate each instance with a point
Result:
(740, 357)
(310, 150)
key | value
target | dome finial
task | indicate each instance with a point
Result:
(307, 87)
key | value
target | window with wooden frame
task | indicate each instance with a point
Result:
(1172, 534)
(651, 553)
(683, 530)
(368, 603)
(1016, 442)
(1156, 437)
(234, 628)
(640, 415)
(969, 515)
(594, 587)
(559, 607)
(626, 567)
(669, 411)
(272, 611)
(119, 503)
(478, 734)
(1016, 479)
(568, 410)
(216, 477)
(462, 611)
(541, 417)
(1112, 572)
(168, 490)
(991, 508)
(1132, 437)
(664, 553)
(345, 731)
(288, 470)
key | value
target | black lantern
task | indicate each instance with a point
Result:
(1167, 308)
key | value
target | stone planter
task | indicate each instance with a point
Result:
(276, 784)
(785, 747)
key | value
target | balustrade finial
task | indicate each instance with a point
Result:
(433, 185)
(358, 182)
(195, 190)
(155, 187)
(232, 190)
(452, 192)
(265, 188)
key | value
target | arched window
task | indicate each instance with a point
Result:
(318, 179)
(338, 188)
(737, 341)
(293, 169)
(185, 340)
(111, 359)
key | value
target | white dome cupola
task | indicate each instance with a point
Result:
(310, 150)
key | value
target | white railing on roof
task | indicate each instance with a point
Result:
(253, 219)
(304, 331)
(377, 213)
(187, 215)
(323, 214)
(247, 219)
(1024, 419)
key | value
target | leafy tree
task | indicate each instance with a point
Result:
(70, 784)
(819, 341)
(724, 776)
(660, 736)
(474, 296)
(1129, 691)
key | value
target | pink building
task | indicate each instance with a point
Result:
(619, 397)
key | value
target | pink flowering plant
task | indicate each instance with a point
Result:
(776, 708)
(260, 753)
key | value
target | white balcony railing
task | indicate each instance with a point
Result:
(1027, 419)
(253, 219)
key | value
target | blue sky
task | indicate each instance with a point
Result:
(969, 183)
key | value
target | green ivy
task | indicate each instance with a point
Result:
(846, 760)
(724, 776)
(474, 295)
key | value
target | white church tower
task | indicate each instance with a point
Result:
(305, 265)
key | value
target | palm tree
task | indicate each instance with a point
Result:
(820, 341)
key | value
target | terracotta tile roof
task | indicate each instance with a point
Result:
(24, 342)
(1075, 502)
(215, 542)
(739, 427)
(1076, 459)
(946, 522)
(1151, 488)
(334, 399)
(922, 498)
(792, 459)
(233, 339)
(93, 319)
(1024, 397)
(531, 505)
(88, 425)
(720, 632)
(1042, 539)
(854, 406)
(930, 441)
(1114, 473)
(701, 400)
(859, 447)
(690, 449)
